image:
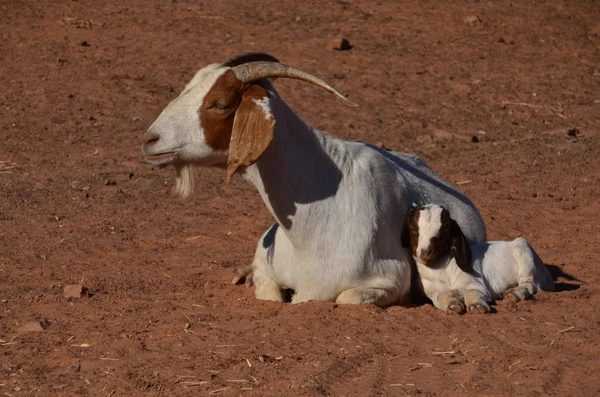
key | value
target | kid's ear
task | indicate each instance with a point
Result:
(405, 237)
(459, 248)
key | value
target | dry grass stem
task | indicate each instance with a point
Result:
(220, 390)
(396, 357)
(192, 383)
(566, 329)
(6, 167)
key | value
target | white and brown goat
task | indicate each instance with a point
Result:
(339, 205)
(452, 272)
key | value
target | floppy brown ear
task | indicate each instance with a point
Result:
(459, 248)
(252, 129)
(405, 237)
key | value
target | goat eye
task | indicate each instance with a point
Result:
(223, 107)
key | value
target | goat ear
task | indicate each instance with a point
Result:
(459, 248)
(405, 237)
(252, 130)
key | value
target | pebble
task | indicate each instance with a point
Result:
(472, 19)
(34, 326)
(74, 291)
(424, 138)
(339, 44)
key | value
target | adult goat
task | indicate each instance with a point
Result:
(340, 206)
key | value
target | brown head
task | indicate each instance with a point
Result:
(431, 234)
(223, 116)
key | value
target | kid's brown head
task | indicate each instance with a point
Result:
(431, 234)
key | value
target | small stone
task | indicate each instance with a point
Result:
(110, 182)
(596, 101)
(472, 19)
(442, 135)
(339, 44)
(424, 138)
(74, 291)
(84, 43)
(475, 139)
(573, 132)
(34, 326)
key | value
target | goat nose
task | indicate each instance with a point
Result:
(426, 253)
(150, 138)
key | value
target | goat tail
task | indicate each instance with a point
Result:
(184, 184)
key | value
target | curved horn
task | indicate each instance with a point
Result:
(253, 71)
(249, 57)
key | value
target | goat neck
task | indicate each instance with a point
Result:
(299, 175)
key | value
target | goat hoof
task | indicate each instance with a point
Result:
(479, 308)
(455, 307)
(517, 294)
(243, 275)
(512, 296)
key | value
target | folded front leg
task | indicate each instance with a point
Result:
(442, 297)
(266, 288)
(475, 302)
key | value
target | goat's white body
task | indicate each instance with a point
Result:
(341, 207)
(498, 266)
(506, 264)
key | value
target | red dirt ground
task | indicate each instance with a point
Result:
(82, 80)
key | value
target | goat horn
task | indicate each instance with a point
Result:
(253, 71)
(249, 57)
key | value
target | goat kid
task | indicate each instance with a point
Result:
(451, 271)
(339, 205)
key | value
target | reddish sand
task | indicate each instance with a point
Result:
(82, 80)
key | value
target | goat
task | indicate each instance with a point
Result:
(339, 205)
(452, 271)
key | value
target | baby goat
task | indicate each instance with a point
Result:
(339, 206)
(450, 271)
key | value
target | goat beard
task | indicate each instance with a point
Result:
(184, 184)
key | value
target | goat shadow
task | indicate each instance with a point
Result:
(557, 273)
